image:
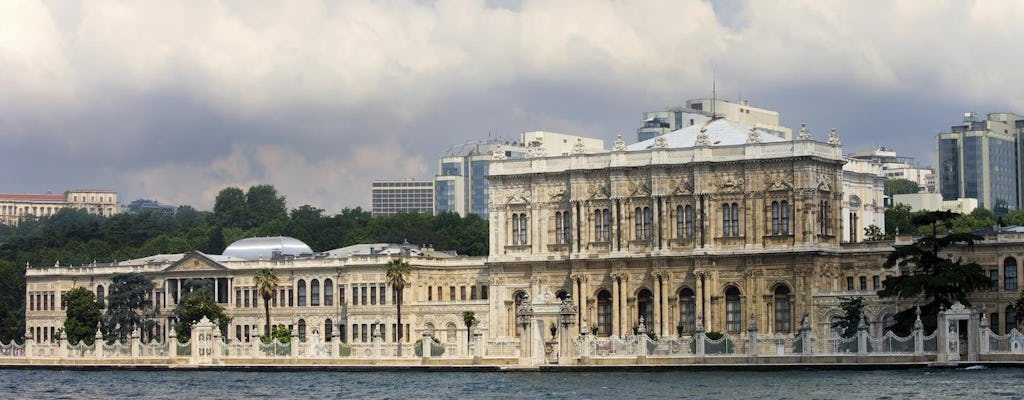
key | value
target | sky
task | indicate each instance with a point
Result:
(174, 101)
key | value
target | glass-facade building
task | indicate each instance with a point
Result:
(981, 160)
(390, 197)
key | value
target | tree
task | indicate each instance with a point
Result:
(397, 276)
(468, 318)
(262, 205)
(873, 233)
(901, 186)
(229, 209)
(928, 277)
(899, 220)
(127, 305)
(1014, 218)
(266, 283)
(198, 304)
(82, 315)
(980, 218)
(853, 311)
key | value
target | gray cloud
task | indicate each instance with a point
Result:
(177, 100)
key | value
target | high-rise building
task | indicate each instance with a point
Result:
(16, 207)
(141, 205)
(461, 182)
(699, 111)
(394, 196)
(981, 160)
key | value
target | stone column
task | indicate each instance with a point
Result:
(295, 344)
(98, 343)
(133, 339)
(862, 336)
(425, 346)
(62, 348)
(982, 335)
(752, 336)
(30, 343)
(657, 323)
(172, 343)
(699, 300)
(616, 284)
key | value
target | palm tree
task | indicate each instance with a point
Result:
(266, 283)
(397, 276)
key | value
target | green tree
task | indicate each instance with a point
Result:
(1014, 218)
(229, 208)
(980, 218)
(198, 304)
(468, 318)
(279, 332)
(848, 322)
(929, 278)
(127, 305)
(899, 220)
(901, 186)
(263, 205)
(82, 315)
(12, 301)
(873, 233)
(266, 283)
(397, 276)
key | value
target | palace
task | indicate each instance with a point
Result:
(714, 227)
(16, 207)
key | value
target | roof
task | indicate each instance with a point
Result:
(265, 248)
(32, 197)
(388, 249)
(720, 133)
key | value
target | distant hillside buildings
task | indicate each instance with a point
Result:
(15, 208)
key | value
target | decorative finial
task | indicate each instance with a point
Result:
(833, 137)
(660, 142)
(804, 133)
(702, 139)
(619, 144)
(578, 148)
(754, 136)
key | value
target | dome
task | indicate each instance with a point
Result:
(267, 248)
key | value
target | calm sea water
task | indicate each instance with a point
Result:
(907, 384)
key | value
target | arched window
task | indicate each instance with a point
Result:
(783, 310)
(563, 227)
(515, 229)
(519, 227)
(780, 218)
(302, 330)
(328, 292)
(730, 219)
(314, 293)
(888, 321)
(561, 295)
(689, 217)
(1010, 274)
(775, 218)
(834, 325)
(638, 218)
(733, 311)
(643, 219)
(687, 312)
(604, 313)
(680, 223)
(645, 308)
(302, 292)
(100, 294)
(1011, 319)
(824, 216)
(784, 219)
(451, 333)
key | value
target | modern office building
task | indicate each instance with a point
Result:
(700, 111)
(461, 182)
(17, 207)
(403, 195)
(981, 159)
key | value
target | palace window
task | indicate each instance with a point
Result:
(993, 275)
(328, 292)
(519, 226)
(483, 292)
(99, 295)
(863, 283)
(314, 293)
(783, 310)
(302, 293)
(604, 313)
(373, 295)
(824, 217)
(302, 330)
(355, 295)
(328, 328)
(875, 282)
(383, 292)
(687, 311)
(563, 227)
(730, 219)
(1010, 274)
(1011, 319)
(643, 217)
(602, 225)
(733, 311)
(780, 218)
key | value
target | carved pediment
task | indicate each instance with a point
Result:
(519, 198)
(558, 194)
(778, 182)
(195, 261)
(601, 191)
(639, 189)
(680, 187)
(730, 185)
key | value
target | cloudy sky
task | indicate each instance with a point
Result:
(176, 100)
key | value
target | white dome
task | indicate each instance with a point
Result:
(267, 247)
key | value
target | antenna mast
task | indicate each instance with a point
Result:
(714, 94)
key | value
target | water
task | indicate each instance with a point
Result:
(994, 383)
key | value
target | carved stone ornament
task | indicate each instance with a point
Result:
(778, 181)
(579, 148)
(702, 139)
(804, 133)
(833, 137)
(660, 142)
(519, 198)
(681, 187)
(557, 194)
(731, 184)
(639, 189)
(601, 191)
(619, 144)
(754, 136)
